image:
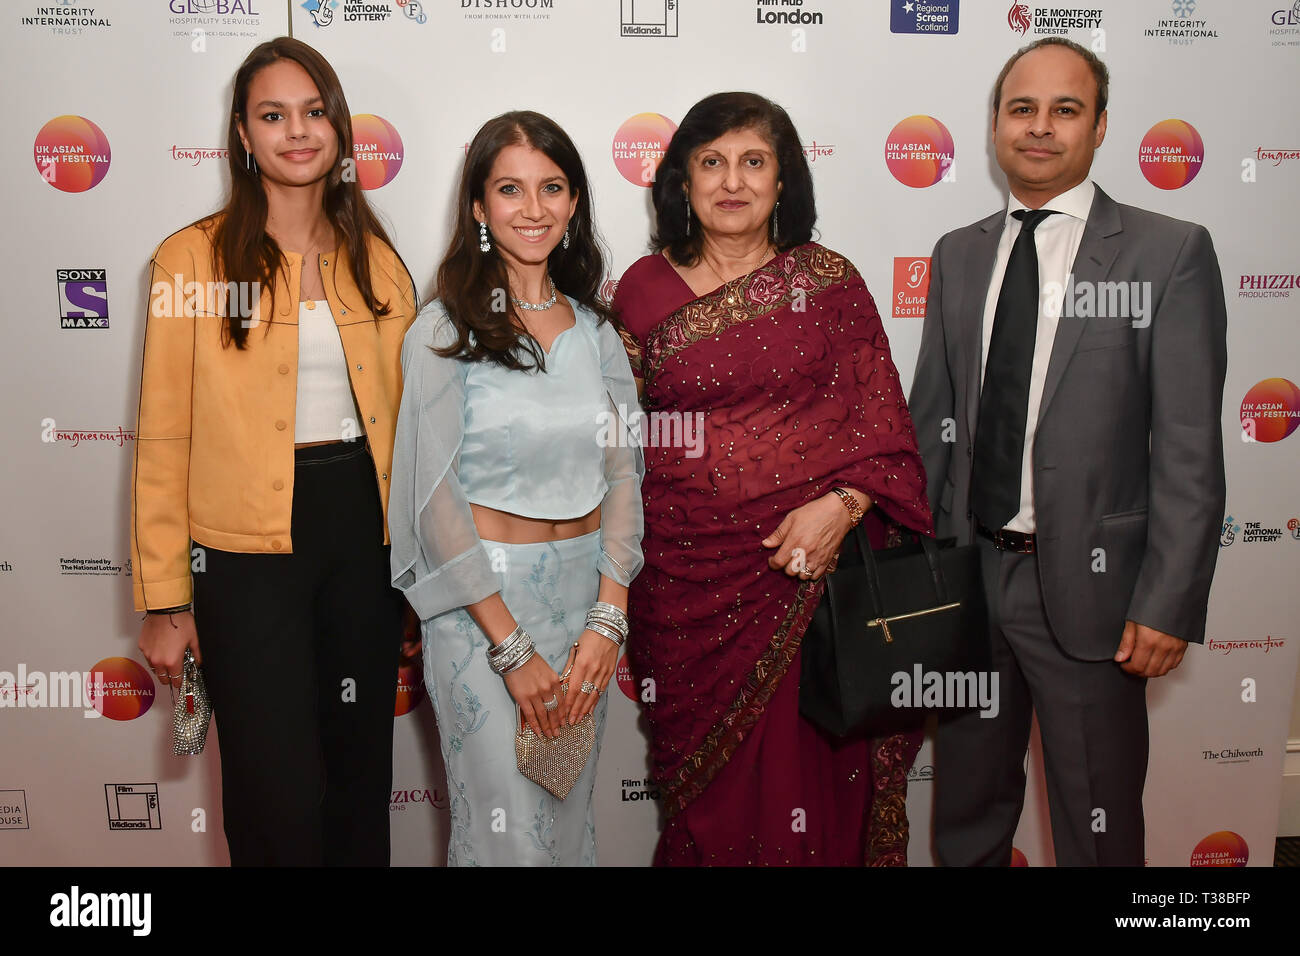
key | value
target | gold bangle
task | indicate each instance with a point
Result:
(850, 502)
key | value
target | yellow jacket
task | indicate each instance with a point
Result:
(214, 456)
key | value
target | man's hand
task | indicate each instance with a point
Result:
(1146, 652)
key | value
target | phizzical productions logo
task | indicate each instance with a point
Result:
(1270, 411)
(377, 150)
(1171, 154)
(639, 144)
(72, 153)
(83, 298)
(919, 152)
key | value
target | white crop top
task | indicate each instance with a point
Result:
(326, 409)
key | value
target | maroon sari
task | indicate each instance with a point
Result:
(790, 368)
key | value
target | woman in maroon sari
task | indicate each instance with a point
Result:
(764, 360)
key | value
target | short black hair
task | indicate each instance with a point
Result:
(1099, 72)
(710, 118)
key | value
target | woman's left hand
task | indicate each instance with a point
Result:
(595, 662)
(809, 537)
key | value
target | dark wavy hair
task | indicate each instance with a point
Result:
(710, 118)
(468, 279)
(242, 251)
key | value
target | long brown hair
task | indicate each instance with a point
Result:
(468, 279)
(241, 248)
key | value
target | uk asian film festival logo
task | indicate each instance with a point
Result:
(117, 688)
(919, 152)
(911, 286)
(648, 18)
(928, 17)
(1171, 154)
(376, 149)
(83, 298)
(1053, 21)
(410, 687)
(639, 144)
(121, 689)
(1270, 411)
(1223, 848)
(72, 153)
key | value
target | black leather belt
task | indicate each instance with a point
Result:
(1005, 540)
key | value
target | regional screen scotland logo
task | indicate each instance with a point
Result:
(923, 16)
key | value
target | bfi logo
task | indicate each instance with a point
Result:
(83, 298)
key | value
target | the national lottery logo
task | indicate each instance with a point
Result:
(1229, 533)
(72, 153)
(83, 298)
(321, 11)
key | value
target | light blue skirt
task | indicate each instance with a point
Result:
(498, 816)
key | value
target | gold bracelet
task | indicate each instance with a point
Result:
(850, 502)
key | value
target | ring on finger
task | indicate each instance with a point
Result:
(553, 703)
(587, 687)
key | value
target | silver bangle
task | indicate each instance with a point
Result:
(605, 631)
(511, 653)
(510, 640)
(520, 663)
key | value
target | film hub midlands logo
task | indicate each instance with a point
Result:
(1183, 27)
(76, 908)
(417, 797)
(83, 298)
(639, 144)
(52, 434)
(133, 806)
(1053, 21)
(1270, 411)
(648, 18)
(1223, 848)
(923, 16)
(911, 286)
(65, 19)
(13, 810)
(377, 150)
(919, 152)
(1227, 647)
(71, 153)
(1261, 285)
(1171, 154)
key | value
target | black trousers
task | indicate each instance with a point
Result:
(300, 655)
(1093, 720)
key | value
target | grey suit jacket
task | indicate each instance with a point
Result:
(1128, 454)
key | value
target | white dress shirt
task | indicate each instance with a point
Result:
(1057, 238)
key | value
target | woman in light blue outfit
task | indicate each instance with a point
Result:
(515, 511)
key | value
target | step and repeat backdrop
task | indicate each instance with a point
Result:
(115, 138)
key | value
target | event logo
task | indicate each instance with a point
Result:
(1227, 647)
(51, 434)
(919, 151)
(923, 16)
(643, 789)
(377, 149)
(193, 155)
(1232, 755)
(626, 683)
(419, 796)
(321, 11)
(649, 18)
(1171, 154)
(413, 10)
(13, 810)
(1267, 286)
(90, 566)
(133, 806)
(1292, 526)
(72, 154)
(83, 298)
(1018, 858)
(410, 687)
(920, 774)
(1275, 156)
(911, 286)
(639, 144)
(66, 20)
(766, 16)
(349, 11)
(1223, 848)
(1183, 28)
(1285, 30)
(817, 149)
(507, 9)
(1052, 21)
(120, 689)
(1270, 411)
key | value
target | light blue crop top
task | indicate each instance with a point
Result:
(550, 445)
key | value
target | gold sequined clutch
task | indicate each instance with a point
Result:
(555, 764)
(192, 712)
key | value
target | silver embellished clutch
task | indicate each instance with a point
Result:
(555, 764)
(192, 712)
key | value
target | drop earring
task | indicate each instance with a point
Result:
(775, 210)
(250, 164)
(483, 244)
(687, 200)
(564, 243)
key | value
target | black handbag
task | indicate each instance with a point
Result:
(887, 623)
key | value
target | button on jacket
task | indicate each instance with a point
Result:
(214, 450)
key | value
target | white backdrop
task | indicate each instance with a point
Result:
(153, 77)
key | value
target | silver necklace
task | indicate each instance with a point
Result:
(538, 306)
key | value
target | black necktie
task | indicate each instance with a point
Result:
(1004, 397)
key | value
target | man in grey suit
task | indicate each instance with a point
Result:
(1067, 405)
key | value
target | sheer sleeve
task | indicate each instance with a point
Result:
(438, 561)
(621, 521)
